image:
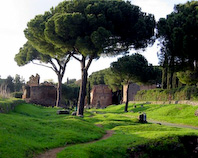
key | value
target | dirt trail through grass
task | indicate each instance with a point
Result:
(52, 153)
(172, 124)
(167, 123)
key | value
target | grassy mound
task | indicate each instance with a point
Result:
(8, 104)
(30, 129)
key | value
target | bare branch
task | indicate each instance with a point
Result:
(43, 65)
(54, 66)
(89, 63)
(66, 61)
(75, 57)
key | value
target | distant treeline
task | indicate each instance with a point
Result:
(11, 85)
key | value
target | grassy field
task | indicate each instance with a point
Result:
(29, 130)
(129, 134)
(173, 113)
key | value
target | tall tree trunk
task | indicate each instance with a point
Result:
(171, 73)
(59, 91)
(127, 98)
(88, 94)
(82, 93)
(164, 78)
(170, 79)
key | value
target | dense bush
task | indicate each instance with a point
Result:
(182, 93)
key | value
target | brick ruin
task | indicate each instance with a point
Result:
(101, 96)
(134, 88)
(42, 94)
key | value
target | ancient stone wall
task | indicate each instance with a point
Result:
(42, 94)
(133, 89)
(101, 96)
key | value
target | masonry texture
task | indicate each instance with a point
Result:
(42, 94)
(133, 89)
(101, 96)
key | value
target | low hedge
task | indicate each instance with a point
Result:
(182, 93)
(6, 105)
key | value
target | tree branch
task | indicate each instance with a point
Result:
(54, 66)
(43, 65)
(66, 61)
(75, 57)
(89, 63)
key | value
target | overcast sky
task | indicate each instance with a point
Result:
(14, 15)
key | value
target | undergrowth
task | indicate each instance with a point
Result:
(181, 93)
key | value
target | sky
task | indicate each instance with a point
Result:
(14, 15)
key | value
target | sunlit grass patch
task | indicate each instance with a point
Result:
(31, 129)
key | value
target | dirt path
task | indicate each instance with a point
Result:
(52, 153)
(172, 124)
(166, 123)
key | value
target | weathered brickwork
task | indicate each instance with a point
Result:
(133, 89)
(42, 94)
(101, 96)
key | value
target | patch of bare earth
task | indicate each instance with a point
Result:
(52, 153)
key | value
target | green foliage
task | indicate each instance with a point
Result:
(11, 86)
(97, 77)
(6, 105)
(90, 27)
(182, 93)
(135, 68)
(28, 53)
(106, 77)
(70, 93)
(130, 68)
(178, 35)
(113, 80)
(188, 77)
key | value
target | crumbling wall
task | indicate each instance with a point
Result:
(42, 94)
(101, 96)
(133, 89)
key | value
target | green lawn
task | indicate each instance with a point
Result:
(173, 113)
(30, 129)
(128, 135)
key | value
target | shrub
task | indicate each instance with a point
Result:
(6, 105)
(182, 93)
